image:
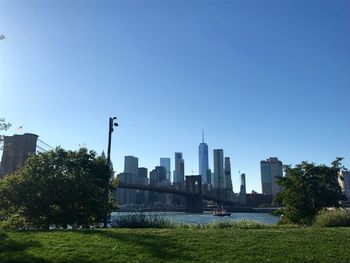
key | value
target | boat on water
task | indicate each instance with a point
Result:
(221, 212)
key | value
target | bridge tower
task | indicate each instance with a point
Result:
(194, 202)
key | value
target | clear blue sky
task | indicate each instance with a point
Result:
(263, 78)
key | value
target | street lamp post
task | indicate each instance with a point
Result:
(112, 122)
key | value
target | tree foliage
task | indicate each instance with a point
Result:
(307, 188)
(58, 188)
(3, 127)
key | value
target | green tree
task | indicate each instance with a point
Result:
(3, 127)
(307, 189)
(58, 188)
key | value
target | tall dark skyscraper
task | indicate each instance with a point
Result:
(219, 176)
(228, 179)
(203, 160)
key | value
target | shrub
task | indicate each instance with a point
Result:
(242, 224)
(333, 218)
(140, 220)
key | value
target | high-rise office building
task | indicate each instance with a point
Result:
(142, 179)
(126, 196)
(179, 169)
(130, 175)
(131, 164)
(157, 177)
(228, 179)
(203, 160)
(16, 150)
(270, 170)
(165, 162)
(219, 175)
(209, 177)
(242, 197)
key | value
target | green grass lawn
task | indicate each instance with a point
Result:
(178, 245)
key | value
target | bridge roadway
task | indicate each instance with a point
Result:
(181, 192)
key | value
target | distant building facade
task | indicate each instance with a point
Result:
(203, 160)
(242, 199)
(179, 170)
(270, 169)
(228, 178)
(142, 179)
(219, 175)
(165, 162)
(344, 181)
(131, 164)
(16, 150)
(130, 175)
(158, 178)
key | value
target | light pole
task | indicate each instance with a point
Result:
(111, 129)
(112, 122)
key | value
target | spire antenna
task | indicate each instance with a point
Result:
(202, 135)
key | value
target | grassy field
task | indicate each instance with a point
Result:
(178, 245)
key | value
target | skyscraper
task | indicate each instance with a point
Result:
(228, 179)
(165, 162)
(179, 169)
(242, 197)
(131, 164)
(130, 175)
(270, 169)
(219, 177)
(156, 177)
(203, 160)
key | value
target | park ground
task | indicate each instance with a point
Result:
(177, 245)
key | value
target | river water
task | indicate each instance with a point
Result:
(206, 218)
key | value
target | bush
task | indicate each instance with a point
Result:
(333, 218)
(242, 224)
(140, 220)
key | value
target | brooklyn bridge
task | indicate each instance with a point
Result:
(192, 193)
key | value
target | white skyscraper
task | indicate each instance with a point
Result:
(270, 169)
(203, 160)
(165, 162)
(219, 176)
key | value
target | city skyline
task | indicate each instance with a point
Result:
(262, 78)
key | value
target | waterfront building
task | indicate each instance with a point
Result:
(165, 162)
(179, 170)
(142, 179)
(219, 176)
(203, 160)
(130, 175)
(126, 196)
(16, 150)
(158, 178)
(228, 178)
(271, 169)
